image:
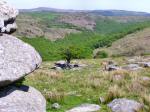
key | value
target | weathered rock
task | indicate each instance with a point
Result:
(16, 59)
(21, 99)
(56, 106)
(147, 64)
(125, 105)
(118, 77)
(132, 67)
(112, 68)
(8, 15)
(60, 65)
(145, 78)
(85, 108)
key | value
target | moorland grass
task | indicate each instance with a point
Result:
(71, 88)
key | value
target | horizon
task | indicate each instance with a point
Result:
(128, 5)
(86, 9)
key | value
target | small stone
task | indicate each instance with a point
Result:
(85, 108)
(125, 105)
(56, 106)
(145, 78)
(102, 100)
(118, 77)
(132, 67)
(146, 65)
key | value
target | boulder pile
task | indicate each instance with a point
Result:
(17, 59)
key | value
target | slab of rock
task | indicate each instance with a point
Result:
(147, 64)
(112, 68)
(85, 108)
(132, 67)
(125, 105)
(21, 99)
(8, 15)
(16, 59)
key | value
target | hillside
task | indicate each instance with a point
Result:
(55, 25)
(132, 44)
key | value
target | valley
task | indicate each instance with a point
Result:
(93, 39)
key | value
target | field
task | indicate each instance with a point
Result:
(71, 88)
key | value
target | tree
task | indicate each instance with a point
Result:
(71, 52)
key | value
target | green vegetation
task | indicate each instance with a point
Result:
(72, 52)
(87, 41)
(101, 54)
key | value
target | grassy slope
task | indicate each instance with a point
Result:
(72, 88)
(133, 44)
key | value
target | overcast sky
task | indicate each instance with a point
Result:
(133, 5)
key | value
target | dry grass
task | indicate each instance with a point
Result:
(132, 44)
(71, 88)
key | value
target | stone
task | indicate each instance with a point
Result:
(8, 15)
(132, 67)
(56, 106)
(85, 108)
(21, 99)
(102, 100)
(61, 64)
(17, 59)
(112, 68)
(118, 77)
(147, 64)
(145, 78)
(125, 105)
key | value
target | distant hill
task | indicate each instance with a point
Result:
(97, 12)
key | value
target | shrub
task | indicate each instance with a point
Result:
(71, 52)
(101, 54)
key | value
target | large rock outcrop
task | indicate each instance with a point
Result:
(8, 15)
(17, 59)
(21, 99)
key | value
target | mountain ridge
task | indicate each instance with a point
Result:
(97, 12)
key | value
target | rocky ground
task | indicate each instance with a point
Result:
(92, 88)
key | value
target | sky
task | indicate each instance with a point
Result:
(131, 5)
